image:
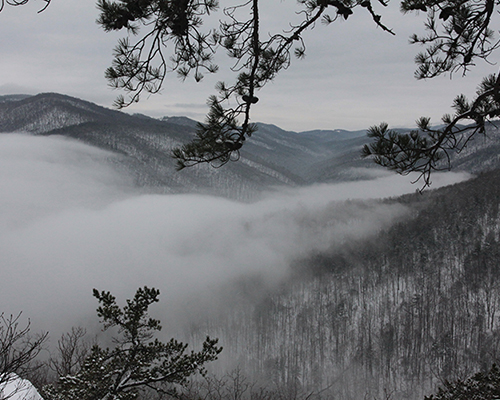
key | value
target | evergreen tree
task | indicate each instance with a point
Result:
(138, 361)
(141, 66)
(459, 33)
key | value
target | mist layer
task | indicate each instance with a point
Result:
(70, 222)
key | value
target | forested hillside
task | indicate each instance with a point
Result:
(384, 316)
(397, 314)
(273, 157)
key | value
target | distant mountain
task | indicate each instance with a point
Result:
(181, 121)
(13, 97)
(482, 153)
(308, 154)
(272, 157)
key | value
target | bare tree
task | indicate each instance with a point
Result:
(17, 350)
(72, 350)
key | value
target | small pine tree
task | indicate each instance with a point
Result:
(137, 362)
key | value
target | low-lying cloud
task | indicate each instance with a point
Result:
(70, 222)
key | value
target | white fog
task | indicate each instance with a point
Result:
(70, 222)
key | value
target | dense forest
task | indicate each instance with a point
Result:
(394, 316)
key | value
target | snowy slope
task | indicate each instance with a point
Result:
(17, 388)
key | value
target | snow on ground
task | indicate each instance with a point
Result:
(17, 388)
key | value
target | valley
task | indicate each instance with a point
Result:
(310, 282)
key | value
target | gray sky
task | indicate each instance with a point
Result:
(355, 75)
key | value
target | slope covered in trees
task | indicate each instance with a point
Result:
(274, 158)
(397, 314)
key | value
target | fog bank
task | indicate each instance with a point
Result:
(70, 222)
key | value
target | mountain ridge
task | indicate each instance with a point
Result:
(273, 157)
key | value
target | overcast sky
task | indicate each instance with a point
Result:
(354, 76)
